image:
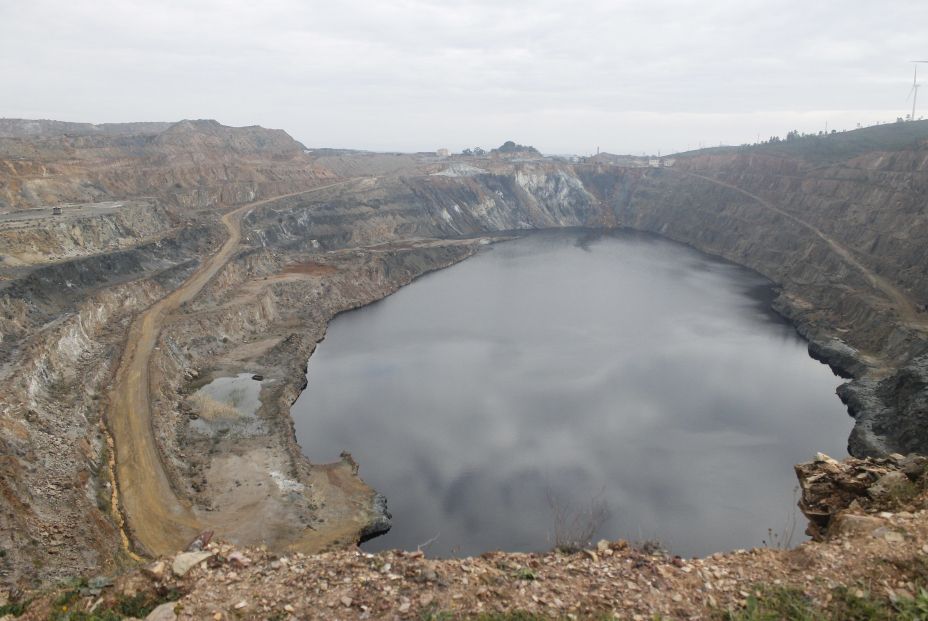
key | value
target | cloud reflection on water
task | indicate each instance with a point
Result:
(627, 365)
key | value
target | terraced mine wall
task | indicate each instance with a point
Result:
(63, 330)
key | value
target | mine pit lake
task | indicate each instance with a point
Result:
(568, 368)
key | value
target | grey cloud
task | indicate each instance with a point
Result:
(416, 74)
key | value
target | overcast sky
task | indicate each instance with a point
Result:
(628, 77)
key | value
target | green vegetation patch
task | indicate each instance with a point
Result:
(789, 604)
(13, 609)
(66, 607)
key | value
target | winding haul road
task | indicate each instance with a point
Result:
(159, 520)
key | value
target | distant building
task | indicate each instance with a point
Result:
(56, 211)
(442, 152)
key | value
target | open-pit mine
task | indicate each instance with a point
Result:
(163, 287)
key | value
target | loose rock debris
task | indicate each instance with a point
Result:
(873, 545)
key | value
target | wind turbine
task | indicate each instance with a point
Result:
(914, 92)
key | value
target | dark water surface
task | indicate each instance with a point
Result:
(568, 366)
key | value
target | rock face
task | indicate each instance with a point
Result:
(892, 413)
(846, 496)
(839, 230)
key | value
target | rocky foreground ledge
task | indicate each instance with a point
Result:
(868, 559)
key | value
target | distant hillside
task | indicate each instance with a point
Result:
(50, 162)
(211, 134)
(834, 147)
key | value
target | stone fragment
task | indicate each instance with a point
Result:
(186, 561)
(239, 559)
(164, 612)
(155, 570)
(200, 542)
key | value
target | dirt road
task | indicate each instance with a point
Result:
(160, 522)
(903, 305)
